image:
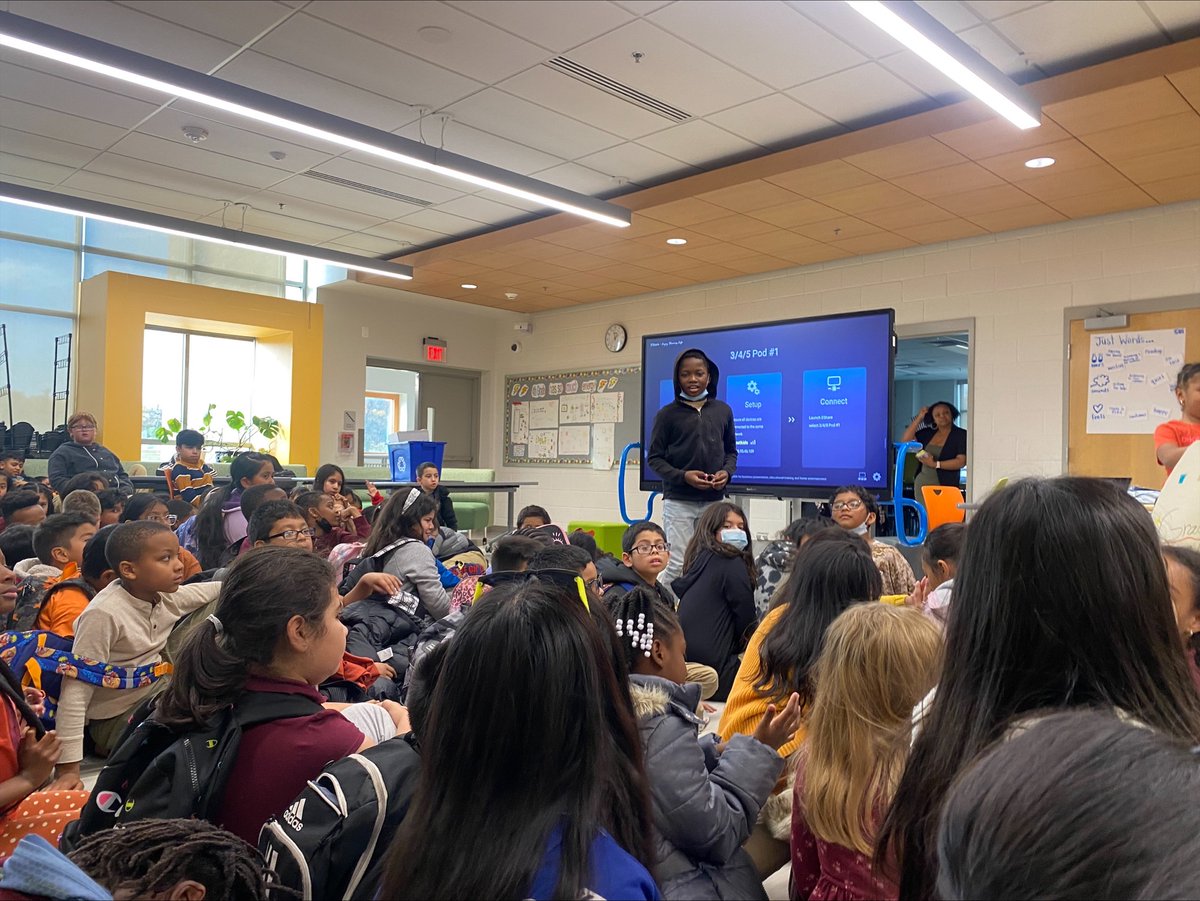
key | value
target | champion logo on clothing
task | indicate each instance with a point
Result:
(109, 802)
(294, 815)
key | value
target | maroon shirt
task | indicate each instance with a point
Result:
(275, 760)
(326, 541)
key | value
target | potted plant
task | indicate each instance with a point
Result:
(244, 428)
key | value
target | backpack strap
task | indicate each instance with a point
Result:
(391, 547)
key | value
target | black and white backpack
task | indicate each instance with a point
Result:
(331, 841)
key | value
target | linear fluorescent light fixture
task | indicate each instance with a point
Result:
(944, 50)
(95, 209)
(101, 58)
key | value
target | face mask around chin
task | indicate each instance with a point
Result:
(734, 538)
(860, 529)
(703, 395)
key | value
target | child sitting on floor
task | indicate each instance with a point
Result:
(127, 624)
(53, 604)
(533, 516)
(335, 523)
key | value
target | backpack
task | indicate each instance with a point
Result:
(42, 659)
(32, 594)
(353, 570)
(332, 840)
(156, 773)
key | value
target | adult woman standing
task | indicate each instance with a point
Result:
(83, 454)
(944, 446)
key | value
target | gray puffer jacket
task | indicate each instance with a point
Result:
(705, 805)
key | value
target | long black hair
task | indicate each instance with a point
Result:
(210, 522)
(136, 506)
(263, 590)
(704, 539)
(394, 522)
(1061, 601)
(324, 471)
(1082, 805)
(833, 570)
(529, 670)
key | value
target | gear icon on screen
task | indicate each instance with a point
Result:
(752, 387)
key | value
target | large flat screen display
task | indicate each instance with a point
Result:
(811, 400)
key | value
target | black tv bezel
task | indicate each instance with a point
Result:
(775, 489)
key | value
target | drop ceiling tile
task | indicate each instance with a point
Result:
(63, 153)
(822, 178)
(1085, 180)
(235, 21)
(718, 253)
(1017, 217)
(133, 193)
(925, 78)
(759, 37)
(775, 121)
(57, 126)
(640, 165)
(283, 79)
(571, 97)
(1157, 166)
(483, 210)
(130, 29)
(436, 220)
(687, 211)
(1179, 17)
(67, 96)
(1127, 105)
(760, 262)
(863, 95)
(753, 195)
(793, 213)
(907, 158)
(699, 143)
(511, 117)
(777, 243)
(302, 188)
(1000, 52)
(867, 197)
(1052, 34)
(670, 70)
(472, 48)
(840, 229)
(1188, 84)
(641, 7)
(946, 230)
(1110, 201)
(267, 204)
(168, 177)
(1131, 141)
(628, 251)
(918, 212)
(985, 200)
(484, 146)
(994, 136)
(555, 26)
(402, 233)
(390, 176)
(949, 180)
(876, 243)
(181, 154)
(575, 177)
(1069, 156)
(532, 249)
(730, 228)
(356, 60)
(26, 169)
(995, 9)
(1173, 190)
(362, 242)
(954, 14)
(842, 22)
(658, 243)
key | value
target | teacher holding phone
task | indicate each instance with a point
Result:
(943, 446)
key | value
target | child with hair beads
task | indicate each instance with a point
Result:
(877, 662)
(705, 801)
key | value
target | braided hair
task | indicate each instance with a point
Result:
(150, 856)
(640, 616)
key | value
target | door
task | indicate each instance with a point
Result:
(1118, 455)
(454, 399)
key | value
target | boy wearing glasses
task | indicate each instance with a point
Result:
(84, 454)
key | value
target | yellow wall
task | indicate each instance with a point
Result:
(114, 310)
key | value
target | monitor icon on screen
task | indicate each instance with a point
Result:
(834, 382)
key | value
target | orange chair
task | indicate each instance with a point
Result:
(941, 505)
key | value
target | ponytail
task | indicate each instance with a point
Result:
(262, 592)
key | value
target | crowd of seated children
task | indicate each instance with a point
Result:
(333, 520)
(856, 510)
(776, 559)
(58, 545)
(181, 510)
(510, 554)
(189, 478)
(704, 802)
(94, 482)
(939, 563)
(127, 624)
(12, 465)
(112, 505)
(215, 533)
(876, 663)
(146, 507)
(716, 591)
(1080, 805)
(331, 479)
(532, 516)
(1175, 436)
(62, 606)
(406, 521)
(429, 478)
(831, 572)
(22, 507)
(85, 502)
(27, 754)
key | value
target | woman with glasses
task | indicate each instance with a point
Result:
(84, 454)
(856, 510)
(150, 507)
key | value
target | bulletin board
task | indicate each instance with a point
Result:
(577, 418)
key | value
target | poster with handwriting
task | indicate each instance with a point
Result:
(1131, 380)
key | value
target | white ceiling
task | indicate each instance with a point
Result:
(755, 75)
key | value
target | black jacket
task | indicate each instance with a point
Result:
(621, 579)
(446, 515)
(716, 607)
(955, 445)
(71, 459)
(684, 438)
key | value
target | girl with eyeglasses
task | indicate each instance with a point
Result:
(151, 507)
(856, 510)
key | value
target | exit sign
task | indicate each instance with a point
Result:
(435, 350)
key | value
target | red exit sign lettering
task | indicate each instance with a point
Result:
(435, 350)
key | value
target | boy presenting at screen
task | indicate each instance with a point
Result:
(692, 448)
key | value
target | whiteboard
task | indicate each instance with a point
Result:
(1131, 380)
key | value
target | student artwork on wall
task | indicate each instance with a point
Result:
(582, 418)
(1131, 380)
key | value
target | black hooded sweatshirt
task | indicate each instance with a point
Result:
(684, 438)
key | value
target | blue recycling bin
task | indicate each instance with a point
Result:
(405, 457)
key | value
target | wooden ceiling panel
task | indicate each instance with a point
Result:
(1124, 135)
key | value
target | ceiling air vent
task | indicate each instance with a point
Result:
(370, 189)
(622, 91)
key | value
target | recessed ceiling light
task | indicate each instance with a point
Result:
(434, 34)
(469, 286)
(677, 241)
(1040, 162)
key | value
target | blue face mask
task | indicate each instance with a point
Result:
(734, 538)
(703, 395)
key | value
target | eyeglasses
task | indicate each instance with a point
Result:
(847, 505)
(83, 428)
(563, 577)
(647, 549)
(292, 534)
(167, 519)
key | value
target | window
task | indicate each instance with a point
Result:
(381, 419)
(30, 338)
(37, 276)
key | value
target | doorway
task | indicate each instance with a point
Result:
(403, 398)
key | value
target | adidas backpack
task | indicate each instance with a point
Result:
(331, 842)
(157, 773)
